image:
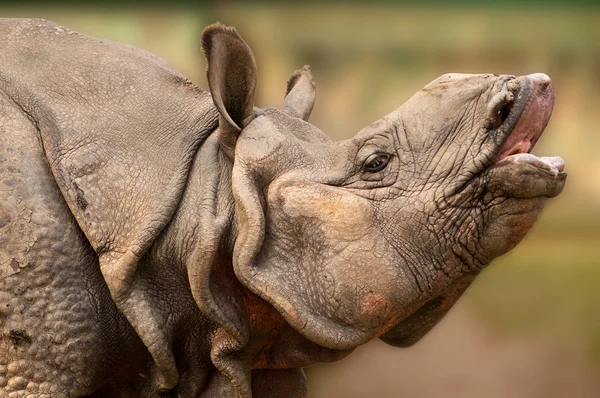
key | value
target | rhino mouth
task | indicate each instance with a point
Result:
(523, 120)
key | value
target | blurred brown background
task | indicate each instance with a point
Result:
(530, 325)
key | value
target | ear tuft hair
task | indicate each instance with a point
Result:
(294, 78)
(300, 94)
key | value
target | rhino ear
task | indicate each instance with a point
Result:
(231, 75)
(300, 94)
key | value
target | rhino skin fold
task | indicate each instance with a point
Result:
(160, 240)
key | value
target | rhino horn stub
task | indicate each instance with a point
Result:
(300, 94)
(231, 75)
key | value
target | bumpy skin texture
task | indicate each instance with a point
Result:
(53, 304)
(158, 240)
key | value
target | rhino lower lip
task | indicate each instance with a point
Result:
(553, 165)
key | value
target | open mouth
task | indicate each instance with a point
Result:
(524, 119)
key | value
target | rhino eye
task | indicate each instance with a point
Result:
(376, 162)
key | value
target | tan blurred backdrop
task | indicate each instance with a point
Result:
(530, 325)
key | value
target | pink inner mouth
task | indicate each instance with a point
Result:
(531, 125)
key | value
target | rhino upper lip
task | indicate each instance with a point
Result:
(523, 122)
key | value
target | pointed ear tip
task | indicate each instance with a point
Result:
(209, 32)
(305, 70)
(219, 27)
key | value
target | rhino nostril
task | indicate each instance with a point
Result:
(499, 109)
(504, 112)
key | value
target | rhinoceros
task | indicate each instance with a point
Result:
(159, 239)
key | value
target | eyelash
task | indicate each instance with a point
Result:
(376, 162)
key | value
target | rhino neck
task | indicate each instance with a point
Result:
(207, 197)
(244, 331)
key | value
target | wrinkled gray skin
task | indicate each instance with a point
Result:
(155, 238)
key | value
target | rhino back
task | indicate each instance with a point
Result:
(119, 126)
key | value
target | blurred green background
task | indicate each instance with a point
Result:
(530, 325)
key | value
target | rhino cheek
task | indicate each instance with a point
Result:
(375, 306)
(341, 277)
(368, 289)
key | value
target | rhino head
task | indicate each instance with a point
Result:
(378, 235)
